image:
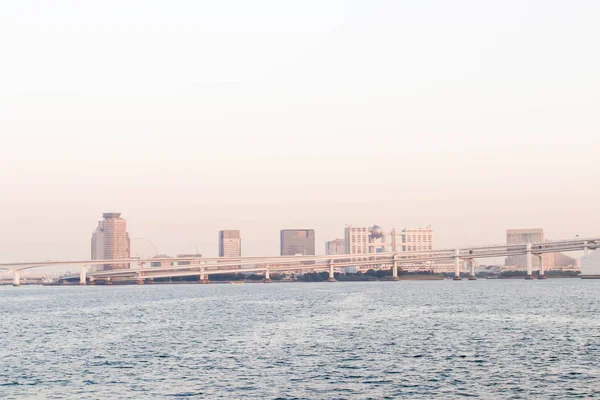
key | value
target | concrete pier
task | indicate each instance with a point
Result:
(331, 274)
(16, 277)
(267, 276)
(83, 275)
(541, 275)
(529, 262)
(395, 268)
(457, 265)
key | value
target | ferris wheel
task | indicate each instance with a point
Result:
(142, 248)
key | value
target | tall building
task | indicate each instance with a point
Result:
(523, 236)
(334, 247)
(110, 241)
(356, 239)
(230, 244)
(297, 241)
(417, 240)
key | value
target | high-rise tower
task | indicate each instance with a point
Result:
(110, 241)
(230, 244)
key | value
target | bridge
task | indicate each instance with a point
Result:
(203, 267)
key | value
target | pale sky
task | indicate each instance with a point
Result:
(189, 117)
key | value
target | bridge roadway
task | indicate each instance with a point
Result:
(194, 266)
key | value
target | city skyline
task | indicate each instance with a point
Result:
(294, 241)
(318, 251)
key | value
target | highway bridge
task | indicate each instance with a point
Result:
(141, 269)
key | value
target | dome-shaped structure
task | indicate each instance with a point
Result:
(376, 231)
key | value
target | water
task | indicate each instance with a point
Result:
(436, 339)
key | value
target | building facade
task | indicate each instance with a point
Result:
(230, 244)
(297, 242)
(363, 240)
(335, 247)
(110, 241)
(523, 236)
(415, 240)
(590, 265)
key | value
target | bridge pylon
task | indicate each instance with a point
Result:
(457, 265)
(17, 277)
(331, 274)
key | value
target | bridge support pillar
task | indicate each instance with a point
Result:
(203, 277)
(83, 275)
(16, 277)
(541, 275)
(529, 262)
(267, 275)
(585, 249)
(331, 274)
(457, 265)
(471, 264)
(395, 268)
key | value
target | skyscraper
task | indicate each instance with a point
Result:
(110, 241)
(298, 241)
(230, 244)
(523, 236)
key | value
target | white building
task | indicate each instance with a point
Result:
(590, 265)
(523, 236)
(415, 240)
(363, 240)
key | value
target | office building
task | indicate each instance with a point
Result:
(230, 244)
(363, 240)
(297, 242)
(415, 240)
(334, 247)
(110, 241)
(590, 265)
(523, 236)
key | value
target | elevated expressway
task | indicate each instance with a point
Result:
(203, 267)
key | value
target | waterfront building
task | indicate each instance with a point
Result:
(363, 240)
(415, 240)
(558, 261)
(356, 239)
(230, 244)
(110, 241)
(297, 242)
(523, 236)
(590, 265)
(334, 247)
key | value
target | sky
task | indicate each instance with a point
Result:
(189, 117)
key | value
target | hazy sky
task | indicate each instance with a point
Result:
(189, 117)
